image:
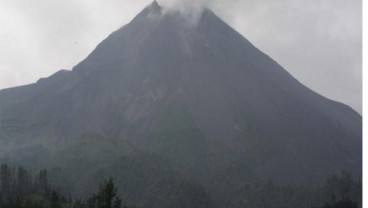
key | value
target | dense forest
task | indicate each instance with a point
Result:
(20, 189)
(339, 191)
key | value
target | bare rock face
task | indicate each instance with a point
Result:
(196, 94)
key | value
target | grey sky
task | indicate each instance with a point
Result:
(317, 41)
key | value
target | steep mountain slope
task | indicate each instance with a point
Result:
(198, 95)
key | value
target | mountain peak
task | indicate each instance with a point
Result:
(155, 4)
(154, 7)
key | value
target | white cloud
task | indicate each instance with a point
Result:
(9, 77)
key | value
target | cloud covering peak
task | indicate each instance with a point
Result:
(185, 5)
(191, 9)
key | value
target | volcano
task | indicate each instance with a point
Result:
(167, 97)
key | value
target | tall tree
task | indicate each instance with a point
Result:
(5, 183)
(106, 196)
(42, 179)
(23, 181)
(55, 200)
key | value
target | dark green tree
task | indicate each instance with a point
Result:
(55, 200)
(43, 179)
(341, 187)
(342, 204)
(342, 191)
(23, 182)
(106, 196)
(5, 184)
(79, 204)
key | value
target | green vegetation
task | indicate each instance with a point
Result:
(342, 204)
(18, 190)
(339, 191)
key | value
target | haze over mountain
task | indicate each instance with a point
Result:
(166, 98)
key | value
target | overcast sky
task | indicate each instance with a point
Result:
(317, 41)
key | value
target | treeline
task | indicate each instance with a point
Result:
(339, 191)
(18, 189)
